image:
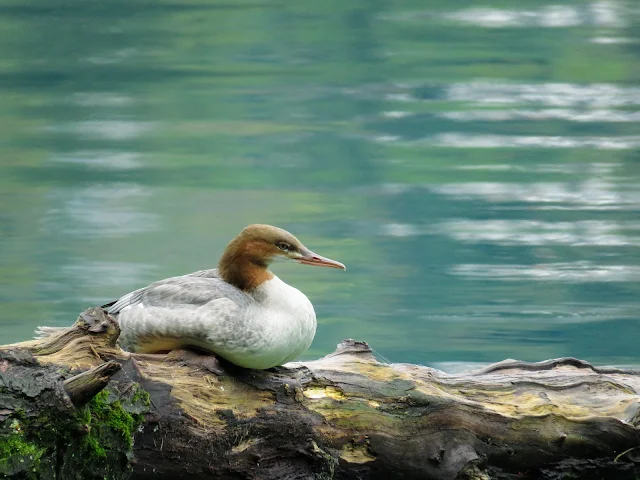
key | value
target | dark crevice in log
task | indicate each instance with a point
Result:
(553, 363)
(596, 383)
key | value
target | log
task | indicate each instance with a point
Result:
(74, 405)
(83, 387)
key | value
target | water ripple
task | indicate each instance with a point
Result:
(101, 99)
(546, 114)
(105, 129)
(599, 95)
(600, 14)
(464, 140)
(101, 211)
(570, 272)
(111, 160)
(106, 274)
(531, 232)
(592, 192)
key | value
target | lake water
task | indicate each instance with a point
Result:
(475, 164)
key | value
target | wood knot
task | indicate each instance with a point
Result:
(354, 347)
(436, 458)
(561, 438)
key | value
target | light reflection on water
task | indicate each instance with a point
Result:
(475, 168)
(112, 160)
(101, 211)
(462, 140)
(547, 114)
(101, 99)
(107, 274)
(545, 94)
(115, 130)
(535, 232)
(591, 194)
(563, 272)
(609, 14)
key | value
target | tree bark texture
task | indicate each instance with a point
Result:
(74, 405)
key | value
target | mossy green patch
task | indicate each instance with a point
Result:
(140, 397)
(94, 448)
(94, 441)
(110, 418)
(17, 454)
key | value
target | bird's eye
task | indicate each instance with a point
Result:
(283, 246)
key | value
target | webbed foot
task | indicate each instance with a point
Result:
(203, 360)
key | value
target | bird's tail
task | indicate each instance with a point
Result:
(46, 332)
(107, 305)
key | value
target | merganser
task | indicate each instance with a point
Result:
(239, 311)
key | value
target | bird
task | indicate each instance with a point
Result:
(240, 311)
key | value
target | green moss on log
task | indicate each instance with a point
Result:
(17, 454)
(91, 442)
(108, 419)
(141, 397)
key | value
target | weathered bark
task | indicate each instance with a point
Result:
(83, 387)
(343, 416)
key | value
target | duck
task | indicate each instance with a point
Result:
(240, 311)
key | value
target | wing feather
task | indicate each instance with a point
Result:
(194, 289)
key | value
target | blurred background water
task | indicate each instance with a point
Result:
(475, 164)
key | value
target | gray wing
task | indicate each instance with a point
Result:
(194, 289)
(210, 273)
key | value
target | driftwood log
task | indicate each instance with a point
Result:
(73, 405)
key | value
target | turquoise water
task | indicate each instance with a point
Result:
(475, 164)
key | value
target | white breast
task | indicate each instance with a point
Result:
(284, 321)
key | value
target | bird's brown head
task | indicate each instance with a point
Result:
(246, 258)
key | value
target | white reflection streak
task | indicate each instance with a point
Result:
(101, 99)
(571, 272)
(463, 140)
(592, 193)
(595, 169)
(598, 95)
(112, 57)
(100, 211)
(400, 230)
(105, 129)
(546, 114)
(552, 16)
(612, 40)
(599, 14)
(527, 232)
(396, 114)
(106, 274)
(102, 158)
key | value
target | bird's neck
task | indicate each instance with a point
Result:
(244, 264)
